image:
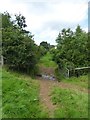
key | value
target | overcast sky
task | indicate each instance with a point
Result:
(46, 18)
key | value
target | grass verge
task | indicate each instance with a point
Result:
(81, 81)
(20, 97)
(71, 104)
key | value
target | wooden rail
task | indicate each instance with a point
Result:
(75, 69)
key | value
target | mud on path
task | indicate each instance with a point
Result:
(45, 89)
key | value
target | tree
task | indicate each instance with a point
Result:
(72, 48)
(45, 45)
(6, 20)
(19, 49)
(42, 51)
(20, 21)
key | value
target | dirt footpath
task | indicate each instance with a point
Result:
(45, 88)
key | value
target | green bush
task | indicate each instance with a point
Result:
(72, 51)
(59, 74)
(19, 49)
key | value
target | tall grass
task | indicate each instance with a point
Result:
(20, 97)
(71, 104)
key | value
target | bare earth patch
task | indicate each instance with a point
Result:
(45, 70)
(45, 87)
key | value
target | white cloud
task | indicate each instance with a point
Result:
(85, 29)
(47, 35)
(70, 12)
(46, 18)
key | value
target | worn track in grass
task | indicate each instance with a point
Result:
(45, 88)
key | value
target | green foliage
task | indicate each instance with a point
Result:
(42, 51)
(47, 61)
(59, 74)
(20, 21)
(19, 49)
(52, 50)
(72, 49)
(20, 97)
(0, 92)
(71, 104)
(45, 45)
(6, 20)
